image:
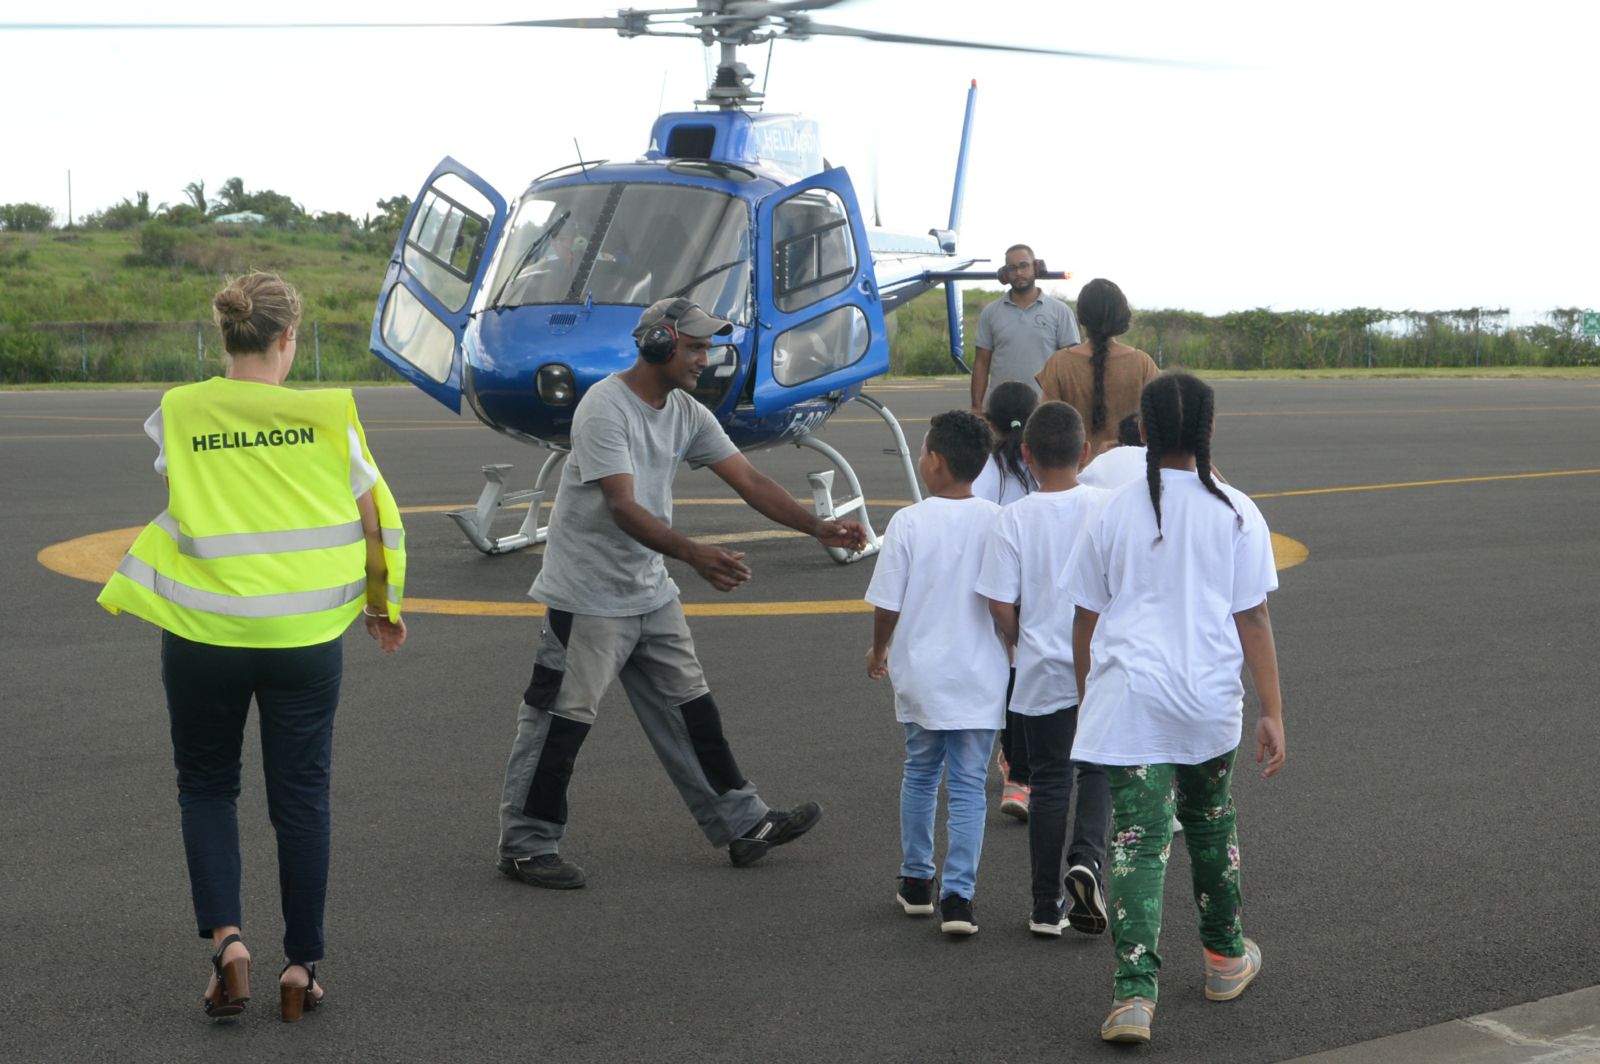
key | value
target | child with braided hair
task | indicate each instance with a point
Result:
(1006, 479)
(1169, 585)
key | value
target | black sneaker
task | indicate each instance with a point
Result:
(774, 829)
(1088, 911)
(915, 896)
(545, 870)
(955, 916)
(1049, 917)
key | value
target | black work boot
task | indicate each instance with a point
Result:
(774, 829)
(545, 870)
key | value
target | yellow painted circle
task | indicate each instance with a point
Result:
(95, 557)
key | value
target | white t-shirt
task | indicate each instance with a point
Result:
(1164, 684)
(1001, 487)
(1023, 561)
(947, 662)
(362, 474)
(1114, 468)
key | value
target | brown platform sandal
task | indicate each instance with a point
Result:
(295, 1000)
(228, 997)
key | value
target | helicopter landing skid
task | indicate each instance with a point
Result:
(475, 522)
(855, 507)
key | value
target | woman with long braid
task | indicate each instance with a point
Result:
(1170, 586)
(1100, 377)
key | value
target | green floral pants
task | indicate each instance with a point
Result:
(1143, 799)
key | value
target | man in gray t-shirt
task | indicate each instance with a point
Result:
(613, 612)
(1018, 334)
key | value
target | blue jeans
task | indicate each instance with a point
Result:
(209, 689)
(962, 756)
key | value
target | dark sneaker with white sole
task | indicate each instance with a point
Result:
(1088, 910)
(774, 829)
(956, 916)
(1049, 917)
(546, 870)
(915, 896)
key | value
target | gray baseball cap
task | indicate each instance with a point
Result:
(692, 322)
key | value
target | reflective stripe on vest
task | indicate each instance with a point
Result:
(287, 604)
(237, 544)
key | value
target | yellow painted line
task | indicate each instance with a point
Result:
(475, 608)
(435, 509)
(874, 420)
(1428, 483)
(1346, 412)
(94, 558)
(74, 417)
(1288, 553)
(1362, 411)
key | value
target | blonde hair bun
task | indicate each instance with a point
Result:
(254, 310)
(233, 304)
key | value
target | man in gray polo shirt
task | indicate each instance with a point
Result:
(613, 612)
(1018, 334)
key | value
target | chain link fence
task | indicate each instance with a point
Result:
(170, 351)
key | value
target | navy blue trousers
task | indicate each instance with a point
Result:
(296, 689)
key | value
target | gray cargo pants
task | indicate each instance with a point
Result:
(578, 657)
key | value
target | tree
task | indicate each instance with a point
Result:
(26, 217)
(231, 197)
(124, 215)
(196, 191)
(392, 213)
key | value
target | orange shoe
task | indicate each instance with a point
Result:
(1014, 800)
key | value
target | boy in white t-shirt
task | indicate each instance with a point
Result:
(947, 663)
(1122, 461)
(1170, 584)
(1022, 565)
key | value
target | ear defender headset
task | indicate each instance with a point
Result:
(658, 342)
(1004, 273)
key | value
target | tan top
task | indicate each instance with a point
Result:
(1069, 377)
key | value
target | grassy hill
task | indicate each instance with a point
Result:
(121, 306)
(135, 305)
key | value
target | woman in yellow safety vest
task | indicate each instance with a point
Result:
(279, 531)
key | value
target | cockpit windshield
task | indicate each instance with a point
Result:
(627, 243)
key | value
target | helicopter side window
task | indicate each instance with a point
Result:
(814, 252)
(411, 331)
(820, 346)
(446, 239)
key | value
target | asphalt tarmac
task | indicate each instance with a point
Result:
(1429, 853)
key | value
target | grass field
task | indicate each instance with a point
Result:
(102, 306)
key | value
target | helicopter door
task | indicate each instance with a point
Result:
(821, 322)
(436, 270)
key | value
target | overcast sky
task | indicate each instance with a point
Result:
(1404, 155)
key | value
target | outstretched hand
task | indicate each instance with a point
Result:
(847, 534)
(1270, 746)
(722, 569)
(391, 635)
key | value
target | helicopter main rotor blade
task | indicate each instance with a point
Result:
(242, 25)
(802, 29)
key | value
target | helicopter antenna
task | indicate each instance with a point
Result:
(766, 75)
(583, 167)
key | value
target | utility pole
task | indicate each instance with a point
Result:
(69, 199)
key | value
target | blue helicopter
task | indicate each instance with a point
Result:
(519, 307)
